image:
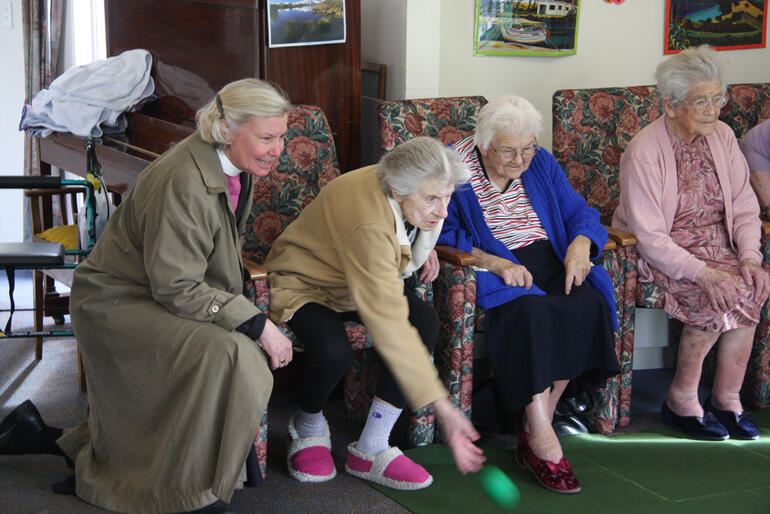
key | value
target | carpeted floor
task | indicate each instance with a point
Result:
(662, 480)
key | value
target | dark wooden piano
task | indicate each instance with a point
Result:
(198, 46)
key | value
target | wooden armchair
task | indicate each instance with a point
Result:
(591, 129)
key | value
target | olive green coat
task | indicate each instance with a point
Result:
(175, 394)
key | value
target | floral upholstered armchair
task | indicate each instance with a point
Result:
(452, 119)
(591, 129)
(309, 162)
(448, 119)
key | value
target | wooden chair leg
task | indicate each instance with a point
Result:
(39, 304)
(81, 372)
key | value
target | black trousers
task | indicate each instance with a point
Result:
(328, 351)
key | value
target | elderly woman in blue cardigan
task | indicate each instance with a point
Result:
(550, 312)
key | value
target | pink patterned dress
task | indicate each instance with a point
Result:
(699, 227)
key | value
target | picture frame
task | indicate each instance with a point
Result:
(305, 22)
(526, 27)
(723, 24)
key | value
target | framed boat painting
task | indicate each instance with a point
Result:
(305, 22)
(526, 27)
(723, 24)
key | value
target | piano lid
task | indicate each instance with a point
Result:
(197, 46)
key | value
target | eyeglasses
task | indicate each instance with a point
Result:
(510, 154)
(702, 103)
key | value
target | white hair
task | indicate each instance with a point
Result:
(510, 115)
(405, 168)
(677, 74)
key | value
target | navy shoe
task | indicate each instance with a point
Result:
(707, 427)
(740, 426)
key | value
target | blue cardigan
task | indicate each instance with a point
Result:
(563, 213)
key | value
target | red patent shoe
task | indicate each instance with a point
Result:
(556, 476)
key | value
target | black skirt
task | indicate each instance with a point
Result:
(534, 340)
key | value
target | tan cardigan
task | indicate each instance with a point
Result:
(343, 252)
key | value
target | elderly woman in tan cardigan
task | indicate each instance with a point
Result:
(686, 196)
(344, 258)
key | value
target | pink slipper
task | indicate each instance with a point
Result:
(310, 458)
(391, 468)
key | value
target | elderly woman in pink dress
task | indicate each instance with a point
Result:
(686, 196)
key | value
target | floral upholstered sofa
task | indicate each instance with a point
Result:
(591, 129)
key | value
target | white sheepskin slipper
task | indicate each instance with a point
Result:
(391, 468)
(310, 458)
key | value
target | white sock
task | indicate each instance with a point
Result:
(375, 438)
(310, 425)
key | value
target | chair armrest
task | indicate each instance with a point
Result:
(765, 227)
(610, 245)
(620, 237)
(455, 256)
(255, 271)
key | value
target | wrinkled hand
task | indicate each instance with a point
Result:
(276, 345)
(755, 276)
(720, 287)
(459, 434)
(430, 268)
(512, 274)
(577, 262)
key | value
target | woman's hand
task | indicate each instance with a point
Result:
(459, 434)
(430, 268)
(577, 262)
(720, 287)
(276, 345)
(755, 276)
(512, 274)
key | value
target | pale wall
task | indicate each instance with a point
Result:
(11, 140)
(617, 45)
(383, 40)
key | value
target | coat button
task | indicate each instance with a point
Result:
(215, 308)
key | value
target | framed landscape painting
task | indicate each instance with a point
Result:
(305, 22)
(723, 24)
(526, 27)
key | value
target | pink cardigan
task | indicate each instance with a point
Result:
(648, 200)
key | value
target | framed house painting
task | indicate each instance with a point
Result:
(526, 27)
(305, 22)
(723, 24)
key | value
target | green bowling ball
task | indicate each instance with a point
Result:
(499, 487)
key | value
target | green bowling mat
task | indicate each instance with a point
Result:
(657, 471)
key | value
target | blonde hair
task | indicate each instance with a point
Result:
(235, 105)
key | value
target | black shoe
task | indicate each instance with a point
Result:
(66, 486)
(740, 426)
(707, 428)
(23, 431)
(565, 425)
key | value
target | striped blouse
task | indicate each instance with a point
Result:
(509, 213)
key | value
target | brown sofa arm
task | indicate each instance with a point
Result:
(620, 237)
(255, 271)
(765, 227)
(455, 256)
